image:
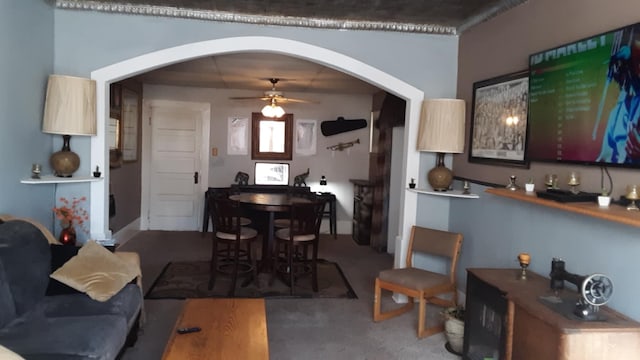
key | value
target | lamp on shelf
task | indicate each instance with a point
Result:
(70, 109)
(272, 110)
(441, 131)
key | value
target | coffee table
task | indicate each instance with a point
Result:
(231, 329)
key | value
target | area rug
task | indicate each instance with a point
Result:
(182, 280)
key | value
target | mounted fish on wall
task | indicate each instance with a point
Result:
(341, 125)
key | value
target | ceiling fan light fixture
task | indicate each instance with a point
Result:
(272, 110)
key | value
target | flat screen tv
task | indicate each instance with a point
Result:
(584, 101)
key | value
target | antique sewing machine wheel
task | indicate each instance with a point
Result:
(597, 289)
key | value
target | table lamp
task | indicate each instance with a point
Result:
(441, 131)
(70, 109)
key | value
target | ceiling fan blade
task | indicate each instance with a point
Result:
(249, 98)
(296, 101)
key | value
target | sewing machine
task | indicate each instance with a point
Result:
(595, 290)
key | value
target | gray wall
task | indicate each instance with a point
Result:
(497, 229)
(26, 60)
(87, 41)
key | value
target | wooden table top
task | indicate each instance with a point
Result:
(231, 329)
(268, 202)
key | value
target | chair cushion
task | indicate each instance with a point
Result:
(96, 271)
(245, 233)
(284, 235)
(413, 278)
(281, 223)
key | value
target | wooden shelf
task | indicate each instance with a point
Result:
(615, 213)
(50, 179)
(450, 193)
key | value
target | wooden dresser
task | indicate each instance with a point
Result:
(506, 319)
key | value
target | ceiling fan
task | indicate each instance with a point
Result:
(273, 95)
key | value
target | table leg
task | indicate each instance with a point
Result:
(332, 218)
(267, 244)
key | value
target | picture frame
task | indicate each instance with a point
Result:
(499, 128)
(131, 101)
(237, 136)
(306, 135)
(115, 100)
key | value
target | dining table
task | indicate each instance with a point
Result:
(271, 204)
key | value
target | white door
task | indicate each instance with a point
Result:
(178, 167)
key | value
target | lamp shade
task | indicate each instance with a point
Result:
(442, 126)
(70, 106)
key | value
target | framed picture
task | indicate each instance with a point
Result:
(306, 137)
(131, 101)
(499, 120)
(238, 136)
(115, 100)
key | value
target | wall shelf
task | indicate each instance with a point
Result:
(450, 193)
(615, 213)
(51, 179)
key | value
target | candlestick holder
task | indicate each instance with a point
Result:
(523, 259)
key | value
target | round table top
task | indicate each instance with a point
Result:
(269, 202)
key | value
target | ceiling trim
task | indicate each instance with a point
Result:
(222, 16)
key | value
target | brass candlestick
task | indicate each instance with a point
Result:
(523, 259)
(633, 195)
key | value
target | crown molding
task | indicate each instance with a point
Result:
(212, 15)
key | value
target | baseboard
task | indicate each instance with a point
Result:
(126, 233)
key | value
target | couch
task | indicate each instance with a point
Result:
(41, 318)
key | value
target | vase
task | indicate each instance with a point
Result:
(68, 235)
(454, 333)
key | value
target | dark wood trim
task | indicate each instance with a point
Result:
(256, 118)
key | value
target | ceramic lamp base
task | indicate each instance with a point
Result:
(65, 162)
(440, 177)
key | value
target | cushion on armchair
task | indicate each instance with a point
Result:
(96, 271)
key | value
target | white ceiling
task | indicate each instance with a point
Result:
(252, 71)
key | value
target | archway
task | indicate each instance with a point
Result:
(348, 65)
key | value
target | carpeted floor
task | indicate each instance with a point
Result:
(298, 329)
(190, 279)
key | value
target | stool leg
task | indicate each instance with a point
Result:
(214, 263)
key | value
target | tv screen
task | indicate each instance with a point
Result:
(584, 100)
(271, 173)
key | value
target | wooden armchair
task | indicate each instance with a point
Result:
(424, 285)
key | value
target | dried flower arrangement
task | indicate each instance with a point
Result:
(70, 213)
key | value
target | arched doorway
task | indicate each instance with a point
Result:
(348, 65)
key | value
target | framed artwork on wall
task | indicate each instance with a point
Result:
(130, 117)
(306, 137)
(499, 120)
(238, 136)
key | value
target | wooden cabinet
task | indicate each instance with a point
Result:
(362, 208)
(506, 318)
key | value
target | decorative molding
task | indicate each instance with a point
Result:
(212, 15)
